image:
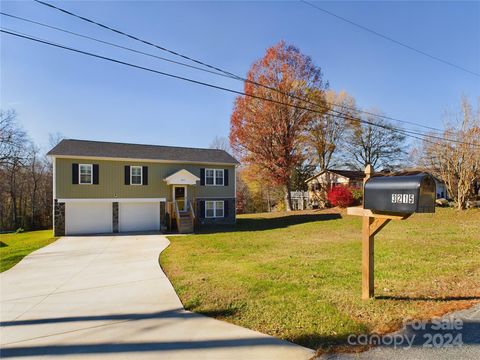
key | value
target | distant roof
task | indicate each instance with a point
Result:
(359, 175)
(81, 148)
(350, 174)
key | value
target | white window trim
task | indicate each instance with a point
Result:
(80, 174)
(215, 177)
(214, 209)
(131, 175)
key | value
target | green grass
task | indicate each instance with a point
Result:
(297, 276)
(14, 247)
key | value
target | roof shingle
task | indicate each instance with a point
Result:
(73, 147)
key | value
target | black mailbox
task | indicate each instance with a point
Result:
(400, 194)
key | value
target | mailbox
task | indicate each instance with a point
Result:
(400, 194)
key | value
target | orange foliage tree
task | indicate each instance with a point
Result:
(268, 134)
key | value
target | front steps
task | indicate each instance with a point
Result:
(185, 223)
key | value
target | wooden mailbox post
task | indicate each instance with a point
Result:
(372, 223)
(389, 198)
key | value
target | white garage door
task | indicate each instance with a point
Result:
(139, 216)
(88, 218)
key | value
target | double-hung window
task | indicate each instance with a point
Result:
(136, 175)
(214, 209)
(219, 177)
(210, 177)
(214, 177)
(85, 174)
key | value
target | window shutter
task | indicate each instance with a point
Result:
(145, 175)
(225, 208)
(127, 175)
(74, 173)
(202, 178)
(95, 174)
(202, 209)
(225, 177)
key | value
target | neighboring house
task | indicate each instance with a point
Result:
(441, 188)
(321, 183)
(105, 187)
(299, 200)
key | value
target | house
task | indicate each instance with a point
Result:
(106, 187)
(321, 183)
(299, 200)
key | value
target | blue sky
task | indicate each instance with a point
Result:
(80, 97)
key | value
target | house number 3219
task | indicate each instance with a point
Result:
(403, 198)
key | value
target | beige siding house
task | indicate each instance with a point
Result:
(321, 183)
(103, 187)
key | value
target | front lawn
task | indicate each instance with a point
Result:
(14, 247)
(297, 276)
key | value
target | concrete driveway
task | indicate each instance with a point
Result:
(107, 297)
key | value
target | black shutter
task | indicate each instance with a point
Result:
(202, 177)
(145, 175)
(202, 209)
(127, 175)
(225, 208)
(225, 177)
(74, 173)
(95, 174)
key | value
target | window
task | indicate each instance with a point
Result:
(209, 177)
(209, 209)
(219, 177)
(85, 174)
(214, 177)
(219, 208)
(136, 175)
(214, 209)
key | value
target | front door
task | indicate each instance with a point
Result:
(180, 196)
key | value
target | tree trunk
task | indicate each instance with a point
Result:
(288, 198)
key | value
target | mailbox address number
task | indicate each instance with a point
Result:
(403, 198)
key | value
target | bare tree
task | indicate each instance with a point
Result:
(221, 143)
(373, 142)
(25, 181)
(12, 137)
(323, 136)
(457, 163)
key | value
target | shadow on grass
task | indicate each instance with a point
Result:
(422, 298)
(266, 223)
(2, 244)
(218, 313)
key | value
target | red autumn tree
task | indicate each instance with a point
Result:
(268, 134)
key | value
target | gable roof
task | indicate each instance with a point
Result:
(88, 148)
(350, 174)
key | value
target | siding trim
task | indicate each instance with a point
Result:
(112, 200)
(142, 160)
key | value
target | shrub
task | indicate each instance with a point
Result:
(357, 193)
(340, 196)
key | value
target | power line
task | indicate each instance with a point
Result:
(132, 37)
(434, 57)
(227, 73)
(110, 44)
(344, 116)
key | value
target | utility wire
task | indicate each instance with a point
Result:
(344, 116)
(227, 73)
(374, 32)
(110, 44)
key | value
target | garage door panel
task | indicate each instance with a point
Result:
(88, 218)
(139, 216)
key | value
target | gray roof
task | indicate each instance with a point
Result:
(81, 148)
